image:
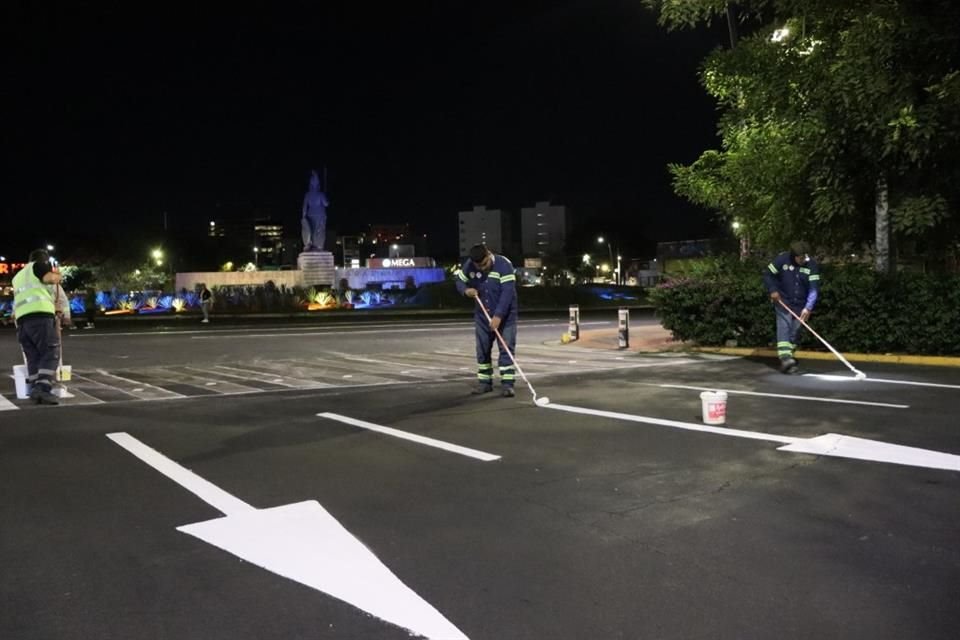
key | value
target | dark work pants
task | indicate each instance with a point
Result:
(41, 344)
(485, 339)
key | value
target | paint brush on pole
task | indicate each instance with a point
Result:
(859, 375)
(540, 402)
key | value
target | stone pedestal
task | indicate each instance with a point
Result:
(317, 268)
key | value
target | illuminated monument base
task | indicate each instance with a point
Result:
(316, 268)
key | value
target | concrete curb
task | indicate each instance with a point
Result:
(659, 340)
(933, 361)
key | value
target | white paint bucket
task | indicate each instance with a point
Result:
(20, 381)
(714, 404)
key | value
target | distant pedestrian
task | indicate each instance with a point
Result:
(35, 313)
(491, 278)
(90, 307)
(206, 302)
(792, 278)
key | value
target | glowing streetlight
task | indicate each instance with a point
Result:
(586, 258)
(600, 240)
(49, 247)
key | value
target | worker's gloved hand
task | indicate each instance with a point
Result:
(805, 314)
(495, 322)
(470, 292)
(775, 296)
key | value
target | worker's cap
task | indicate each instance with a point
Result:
(478, 252)
(800, 248)
(39, 255)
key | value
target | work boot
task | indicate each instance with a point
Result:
(787, 364)
(508, 392)
(480, 389)
(42, 396)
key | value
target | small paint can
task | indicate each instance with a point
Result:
(714, 407)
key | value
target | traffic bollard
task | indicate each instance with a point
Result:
(574, 327)
(623, 331)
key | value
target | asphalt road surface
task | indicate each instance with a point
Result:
(336, 480)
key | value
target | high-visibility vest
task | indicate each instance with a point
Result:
(30, 295)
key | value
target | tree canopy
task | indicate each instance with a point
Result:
(829, 109)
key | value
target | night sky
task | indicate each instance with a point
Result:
(419, 110)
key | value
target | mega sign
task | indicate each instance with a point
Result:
(397, 263)
(8, 268)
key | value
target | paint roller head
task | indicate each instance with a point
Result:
(860, 376)
(542, 402)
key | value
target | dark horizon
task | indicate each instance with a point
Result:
(417, 114)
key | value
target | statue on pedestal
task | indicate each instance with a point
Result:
(313, 222)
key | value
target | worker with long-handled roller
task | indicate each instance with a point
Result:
(793, 282)
(489, 278)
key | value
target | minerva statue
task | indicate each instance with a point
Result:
(314, 220)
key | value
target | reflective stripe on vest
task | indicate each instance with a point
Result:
(30, 295)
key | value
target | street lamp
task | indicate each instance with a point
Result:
(157, 255)
(256, 257)
(600, 240)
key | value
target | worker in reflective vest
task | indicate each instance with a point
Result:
(793, 278)
(491, 278)
(35, 313)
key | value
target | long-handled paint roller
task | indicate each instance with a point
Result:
(540, 402)
(857, 374)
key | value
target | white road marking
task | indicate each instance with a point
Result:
(386, 327)
(305, 543)
(780, 395)
(430, 442)
(206, 491)
(913, 383)
(6, 405)
(257, 375)
(172, 394)
(830, 444)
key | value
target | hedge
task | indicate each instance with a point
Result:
(724, 301)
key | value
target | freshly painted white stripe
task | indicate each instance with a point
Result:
(691, 426)
(831, 444)
(6, 405)
(439, 444)
(782, 395)
(206, 491)
(911, 383)
(841, 446)
(304, 543)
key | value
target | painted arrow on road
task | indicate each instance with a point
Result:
(302, 542)
(830, 444)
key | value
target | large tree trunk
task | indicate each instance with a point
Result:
(883, 262)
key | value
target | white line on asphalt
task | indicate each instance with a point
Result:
(329, 329)
(779, 395)
(430, 442)
(259, 375)
(828, 444)
(6, 405)
(690, 426)
(206, 491)
(104, 372)
(302, 542)
(834, 378)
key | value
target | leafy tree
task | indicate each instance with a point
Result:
(840, 120)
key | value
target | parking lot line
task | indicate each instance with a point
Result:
(783, 395)
(430, 442)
